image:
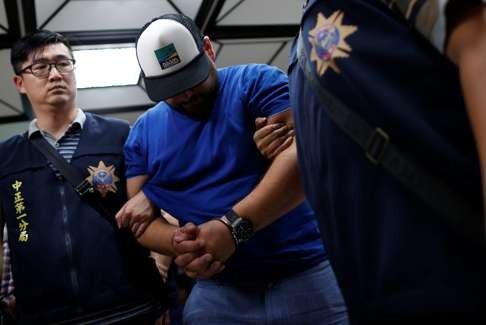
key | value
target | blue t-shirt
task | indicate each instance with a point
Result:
(392, 254)
(199, 170)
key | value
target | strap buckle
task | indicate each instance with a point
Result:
(84, 188)
(376, 145)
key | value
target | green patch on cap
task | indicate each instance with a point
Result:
(167, 56)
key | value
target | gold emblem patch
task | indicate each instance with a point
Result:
(103, 178)
(328, 41)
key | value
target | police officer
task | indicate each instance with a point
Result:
(70, 263)
(410, 72)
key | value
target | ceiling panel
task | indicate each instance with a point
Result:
(88, 15)
(248, 51)
(45, 8)
(258, 12)
(3, 18)
(281, 60)
(188, 7)
(9, 97)
(227, 9)
(7, 110)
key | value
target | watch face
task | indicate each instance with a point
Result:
(243, 230)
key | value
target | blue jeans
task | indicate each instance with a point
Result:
(309, 297)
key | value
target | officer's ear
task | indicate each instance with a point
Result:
(19, 83)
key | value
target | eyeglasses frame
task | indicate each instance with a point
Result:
(29, 68)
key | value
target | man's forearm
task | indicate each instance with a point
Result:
(467, 48)
(158, 237)
(278, 192)
(473, 83)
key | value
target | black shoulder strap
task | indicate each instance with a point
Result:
(72, 175)
(401, 6)
(456, 211)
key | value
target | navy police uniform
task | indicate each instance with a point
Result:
(395, 260)
(69, 262)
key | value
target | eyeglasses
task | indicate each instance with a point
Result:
(43, 69)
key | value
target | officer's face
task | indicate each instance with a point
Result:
(57, 88)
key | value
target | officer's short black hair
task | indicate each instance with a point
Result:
(32, 43)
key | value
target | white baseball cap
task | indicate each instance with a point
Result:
(171, 55)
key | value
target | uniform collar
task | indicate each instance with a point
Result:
(79, 120)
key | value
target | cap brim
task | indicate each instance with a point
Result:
(160, 88)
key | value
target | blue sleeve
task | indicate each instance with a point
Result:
(135, 151)
(267, 91)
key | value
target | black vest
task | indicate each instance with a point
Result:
(68, 260)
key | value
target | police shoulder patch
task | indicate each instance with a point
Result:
(327, 39)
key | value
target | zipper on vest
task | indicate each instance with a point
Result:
(69, 247)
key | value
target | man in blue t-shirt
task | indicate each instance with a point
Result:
(193, 156)
(415, 72)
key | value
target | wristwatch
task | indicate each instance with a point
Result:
(241, 229)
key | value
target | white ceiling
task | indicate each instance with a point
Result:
(243, 31)
(107, 14)
(260, 12)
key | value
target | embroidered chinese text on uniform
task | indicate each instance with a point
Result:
(20, 211)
